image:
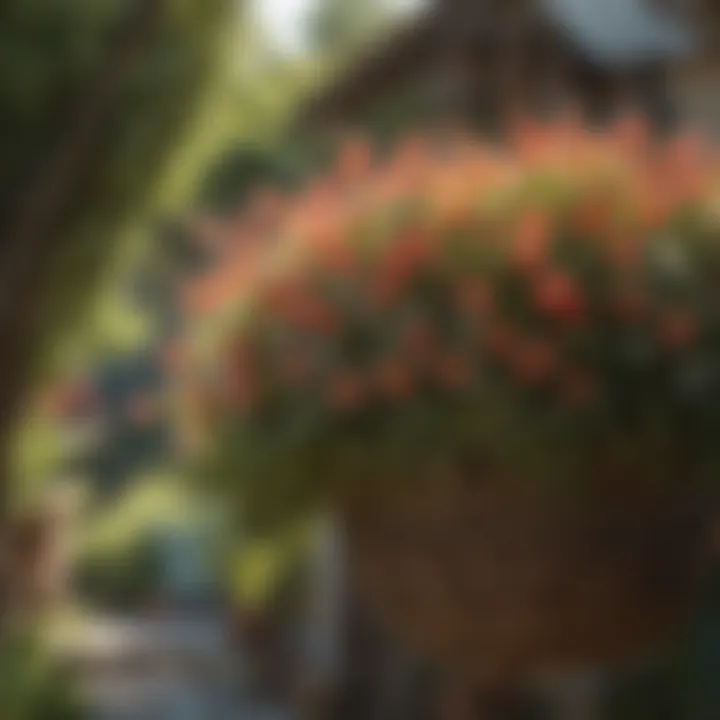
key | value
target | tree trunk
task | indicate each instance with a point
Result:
(33, 241)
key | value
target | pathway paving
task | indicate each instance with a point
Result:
(163, 669)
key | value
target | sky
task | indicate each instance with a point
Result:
(283, 19)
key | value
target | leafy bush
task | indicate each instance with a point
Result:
(549, 301)
(30, 687)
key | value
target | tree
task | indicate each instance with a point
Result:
(96, 97)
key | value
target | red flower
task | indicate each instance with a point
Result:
(556, 294)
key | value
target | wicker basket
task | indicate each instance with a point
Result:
(497, 579)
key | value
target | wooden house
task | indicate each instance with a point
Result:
(480, 59)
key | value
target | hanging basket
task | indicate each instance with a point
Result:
(553, 302)
(499, 579)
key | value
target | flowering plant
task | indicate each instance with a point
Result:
(546, 300)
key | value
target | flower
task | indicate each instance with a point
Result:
(557, 295)
(532, 238)
(335, 254)
(355, 159)
(631, 133)
(572, 261)
(594, 214)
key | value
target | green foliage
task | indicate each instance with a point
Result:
(260, 568)
(121, 581)
(55, 52)
(31, 688)
(116, 550)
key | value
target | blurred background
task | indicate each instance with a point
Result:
(126, 591)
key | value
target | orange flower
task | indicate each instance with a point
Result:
(413, 154)
(530, 141)
(656, 205)
(556, 294)
(682, 165)
(631, 133)
(678, 330)
(530, 249)
(594, 216)
(355, 159)
(335, 254)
